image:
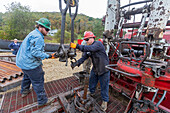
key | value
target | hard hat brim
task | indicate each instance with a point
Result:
(88, 37)
(43, 25)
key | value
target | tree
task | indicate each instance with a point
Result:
(19, 21)
(1, 20)
(67, 36)
(98, 29)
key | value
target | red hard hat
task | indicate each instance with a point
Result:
(88, 34)
(101, 40)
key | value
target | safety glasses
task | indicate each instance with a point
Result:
(87, 39)
(47, 29)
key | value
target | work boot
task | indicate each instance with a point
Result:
(47, 103)
(92, 94)
(25, 93)
(104, 106)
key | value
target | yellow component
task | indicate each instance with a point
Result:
(72, 3)
(73, 45)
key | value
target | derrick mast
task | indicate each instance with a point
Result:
(139, 63)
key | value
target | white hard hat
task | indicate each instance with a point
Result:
(15, 39)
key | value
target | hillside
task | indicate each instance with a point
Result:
(19, 21)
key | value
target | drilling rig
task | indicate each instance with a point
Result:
(139, 64)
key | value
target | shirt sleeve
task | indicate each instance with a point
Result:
(96, 46)
(83, 58)
(37, 48)
(10, 46)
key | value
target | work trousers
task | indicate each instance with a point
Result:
(36, 77)
(87, 65)
(104, 80)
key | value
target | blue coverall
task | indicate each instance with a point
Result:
(98, 72)
(14, 46)
(29, 59)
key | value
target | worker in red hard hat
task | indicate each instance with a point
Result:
(96, 51)
(87, 35)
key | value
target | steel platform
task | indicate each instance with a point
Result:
(10, 75)
(13, 102)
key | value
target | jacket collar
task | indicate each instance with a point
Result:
(93, 42)
(39, 32)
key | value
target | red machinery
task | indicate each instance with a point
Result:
(139, 64)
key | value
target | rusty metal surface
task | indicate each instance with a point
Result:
(137, 24)
(112, 14)
(12, 101)
(8, 71)
(10, 58)
(78, 104)
(115, 104)
(7, 56)
(10, 75)
(160, 11)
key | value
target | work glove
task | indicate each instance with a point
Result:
(74, 64)
(54, 55)
(73, 45)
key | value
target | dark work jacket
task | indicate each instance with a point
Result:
(15, 47)
(98, 55)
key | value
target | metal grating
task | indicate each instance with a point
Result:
(115, 104)
(13, 101)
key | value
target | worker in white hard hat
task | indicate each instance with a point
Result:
(14, 46)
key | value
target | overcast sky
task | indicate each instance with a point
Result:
(92, 8)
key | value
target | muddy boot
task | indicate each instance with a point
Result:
(25, 93)
(92, 94)
(104, 106)
(47, 103)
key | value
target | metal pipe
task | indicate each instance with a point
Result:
(86, 80)
(135, 3)
(163, 96)
(137, 24)
(49, 47)
(137, 43)
(155, 95)
(116, 70)
(134, 25)
(136, 11)
(79, 107)
(7, 56)
(4, 50)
